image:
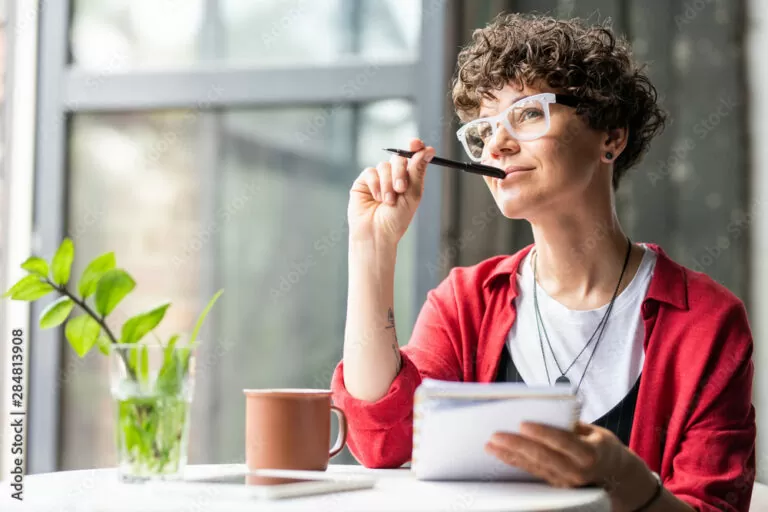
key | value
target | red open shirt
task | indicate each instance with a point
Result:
(694, 422)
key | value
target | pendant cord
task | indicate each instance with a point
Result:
(600, 326)
(541, 344)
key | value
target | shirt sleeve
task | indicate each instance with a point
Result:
(715, 467)
(380, 433)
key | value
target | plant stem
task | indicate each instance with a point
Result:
(86, 308)
(100, 321)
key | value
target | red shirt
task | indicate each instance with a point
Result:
(694, 422)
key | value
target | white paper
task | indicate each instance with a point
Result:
(450, 433)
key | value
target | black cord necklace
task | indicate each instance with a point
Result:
(562, 379)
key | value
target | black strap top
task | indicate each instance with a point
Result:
(618, 420)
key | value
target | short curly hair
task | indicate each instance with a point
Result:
(570, 56)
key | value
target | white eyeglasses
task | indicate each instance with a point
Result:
(525, 119)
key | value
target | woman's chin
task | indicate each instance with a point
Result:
(514, 204)
(516, 198)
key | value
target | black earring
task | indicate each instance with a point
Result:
(609, 155)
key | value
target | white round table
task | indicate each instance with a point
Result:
(99, 490)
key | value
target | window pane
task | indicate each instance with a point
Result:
(272, 220)
(134, 189)
(110, 35)
(276, 31)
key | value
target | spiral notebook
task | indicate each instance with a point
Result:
(452, 421)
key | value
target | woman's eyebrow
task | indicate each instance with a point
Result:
(514, 100)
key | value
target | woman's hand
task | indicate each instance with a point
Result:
(589, 455)
(383, 199)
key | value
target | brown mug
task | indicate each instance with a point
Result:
(291, 429)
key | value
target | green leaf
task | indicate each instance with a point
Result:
(169, 378)
(56, 312)
(132, 437)
(30, 287)
(93, 272)
(113, 286)
(138, 362)
(132, 357)
(169, 351)
(203, 315)
(170, 345)
(36, 265)
(24, 282)
(61, 263)
(184, 354)
(143, 372)
(104, 344)
(82, 333)
(138, 326)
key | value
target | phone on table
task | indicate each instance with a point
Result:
(276, 485)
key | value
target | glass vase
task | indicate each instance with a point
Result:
(152, 387)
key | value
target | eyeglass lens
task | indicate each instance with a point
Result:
(527, 118)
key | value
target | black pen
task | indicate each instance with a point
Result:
(485, 170)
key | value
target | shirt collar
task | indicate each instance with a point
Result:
(668, 283)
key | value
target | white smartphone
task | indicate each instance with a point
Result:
(275, 486)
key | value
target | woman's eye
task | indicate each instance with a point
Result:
(530, 114)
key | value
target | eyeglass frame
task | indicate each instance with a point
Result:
(546, 98)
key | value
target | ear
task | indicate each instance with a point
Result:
(614, 143)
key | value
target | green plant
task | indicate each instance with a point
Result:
(152, 416)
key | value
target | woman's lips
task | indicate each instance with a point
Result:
(516, 168)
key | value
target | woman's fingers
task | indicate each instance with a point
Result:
(541, 459)
(385, 181)
(519, 460)
(399, 166)
(563, 441)
(371, 178)
(417, 167)
(415, 144)
(399, 175)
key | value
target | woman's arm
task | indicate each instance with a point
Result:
(639, 490)
(371, 351)
(382, 203)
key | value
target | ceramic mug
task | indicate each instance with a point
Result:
(291, 429)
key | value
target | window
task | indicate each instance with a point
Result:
(218, 152)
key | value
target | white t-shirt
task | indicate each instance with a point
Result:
(619, 356)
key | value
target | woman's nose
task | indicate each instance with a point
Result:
(503, 143)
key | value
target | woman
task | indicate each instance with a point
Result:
(659, 354)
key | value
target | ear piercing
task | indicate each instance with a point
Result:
(609, 155)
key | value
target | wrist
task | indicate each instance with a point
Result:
(371, 266)
(635, 486)
(372, 247)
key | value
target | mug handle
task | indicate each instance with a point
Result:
(342, 437)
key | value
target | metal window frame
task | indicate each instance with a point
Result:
(65, 90)
(21, 78)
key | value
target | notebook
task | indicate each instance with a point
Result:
(452, 421)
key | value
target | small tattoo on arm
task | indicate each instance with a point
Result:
(395, 344)
(390, 319)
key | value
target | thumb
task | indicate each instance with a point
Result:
(583, 429)
(417, 168)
